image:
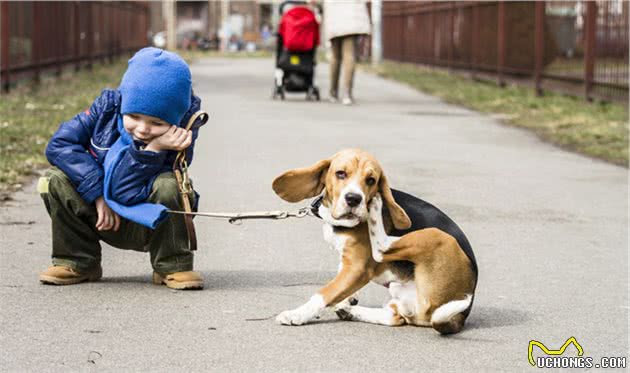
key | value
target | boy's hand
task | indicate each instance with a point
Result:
(107, 219)
(175, 138)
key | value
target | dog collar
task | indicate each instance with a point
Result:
(315, 205)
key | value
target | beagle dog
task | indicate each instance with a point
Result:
(385, 236)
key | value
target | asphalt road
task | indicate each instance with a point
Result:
(549, 229)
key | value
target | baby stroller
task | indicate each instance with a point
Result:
(298, 37)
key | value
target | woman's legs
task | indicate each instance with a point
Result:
(348, 48)
(335, 66)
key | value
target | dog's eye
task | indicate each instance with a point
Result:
(341, 175)
(370, 181)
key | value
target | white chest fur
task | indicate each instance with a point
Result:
(336, 241)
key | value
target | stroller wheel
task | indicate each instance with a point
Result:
(277, 91)
(312, 94)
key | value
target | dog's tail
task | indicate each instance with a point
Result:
(449, 317)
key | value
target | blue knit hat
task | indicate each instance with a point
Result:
(156, 83)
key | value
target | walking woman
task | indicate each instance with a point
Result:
(344, 22)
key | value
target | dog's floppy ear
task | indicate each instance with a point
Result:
(400, 219)
(301, 183)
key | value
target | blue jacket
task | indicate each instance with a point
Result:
(80, 145)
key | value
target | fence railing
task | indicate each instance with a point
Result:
(579, 47)
(39, 37)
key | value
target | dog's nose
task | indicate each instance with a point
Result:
(353, 199)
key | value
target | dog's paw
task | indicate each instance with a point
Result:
(343, 311)
(292, 317)
(344, 314)
(375, 207)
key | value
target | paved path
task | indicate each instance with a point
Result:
(549, 229)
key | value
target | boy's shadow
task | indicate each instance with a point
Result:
(230, 280)
(242, 279)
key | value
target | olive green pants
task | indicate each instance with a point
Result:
(76, 241)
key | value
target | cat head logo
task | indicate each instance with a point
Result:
(547, 351)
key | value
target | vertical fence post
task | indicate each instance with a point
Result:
(539, 42)
(60, 47)
(4, 41)
(589, 49)
(77, 36)
(431, 55)
(475, 40)
(89, 34)
(113, 32)
(451, 29)
(500, 42)
(35, 39)
(377, 22)
(403, 34)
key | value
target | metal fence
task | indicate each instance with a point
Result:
(37, 37)
(579, 47)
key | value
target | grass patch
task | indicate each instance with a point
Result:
(30, 114)
(191, 55)
(597, 129)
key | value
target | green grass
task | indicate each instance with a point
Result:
(191, 55)
(30, 114)
(598, 129)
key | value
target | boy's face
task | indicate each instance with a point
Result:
(144, 127)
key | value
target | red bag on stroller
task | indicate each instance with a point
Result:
(299, 30)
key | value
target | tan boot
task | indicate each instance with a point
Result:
(188, 280)
(62, 275)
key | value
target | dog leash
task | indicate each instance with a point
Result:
(180, 169)
(236, 218)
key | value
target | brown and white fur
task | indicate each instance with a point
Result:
(428, 275)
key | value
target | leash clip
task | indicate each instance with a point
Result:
(185, 178)
(304, 211)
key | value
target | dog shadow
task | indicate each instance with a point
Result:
(489, 317)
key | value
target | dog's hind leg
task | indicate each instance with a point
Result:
(379, 240)
(400, 310)
(388, 315)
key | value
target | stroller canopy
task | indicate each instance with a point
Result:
(299, 30)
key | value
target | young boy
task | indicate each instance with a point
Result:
(90, 187)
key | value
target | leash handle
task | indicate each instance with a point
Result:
(180, 169)
(180, 160)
